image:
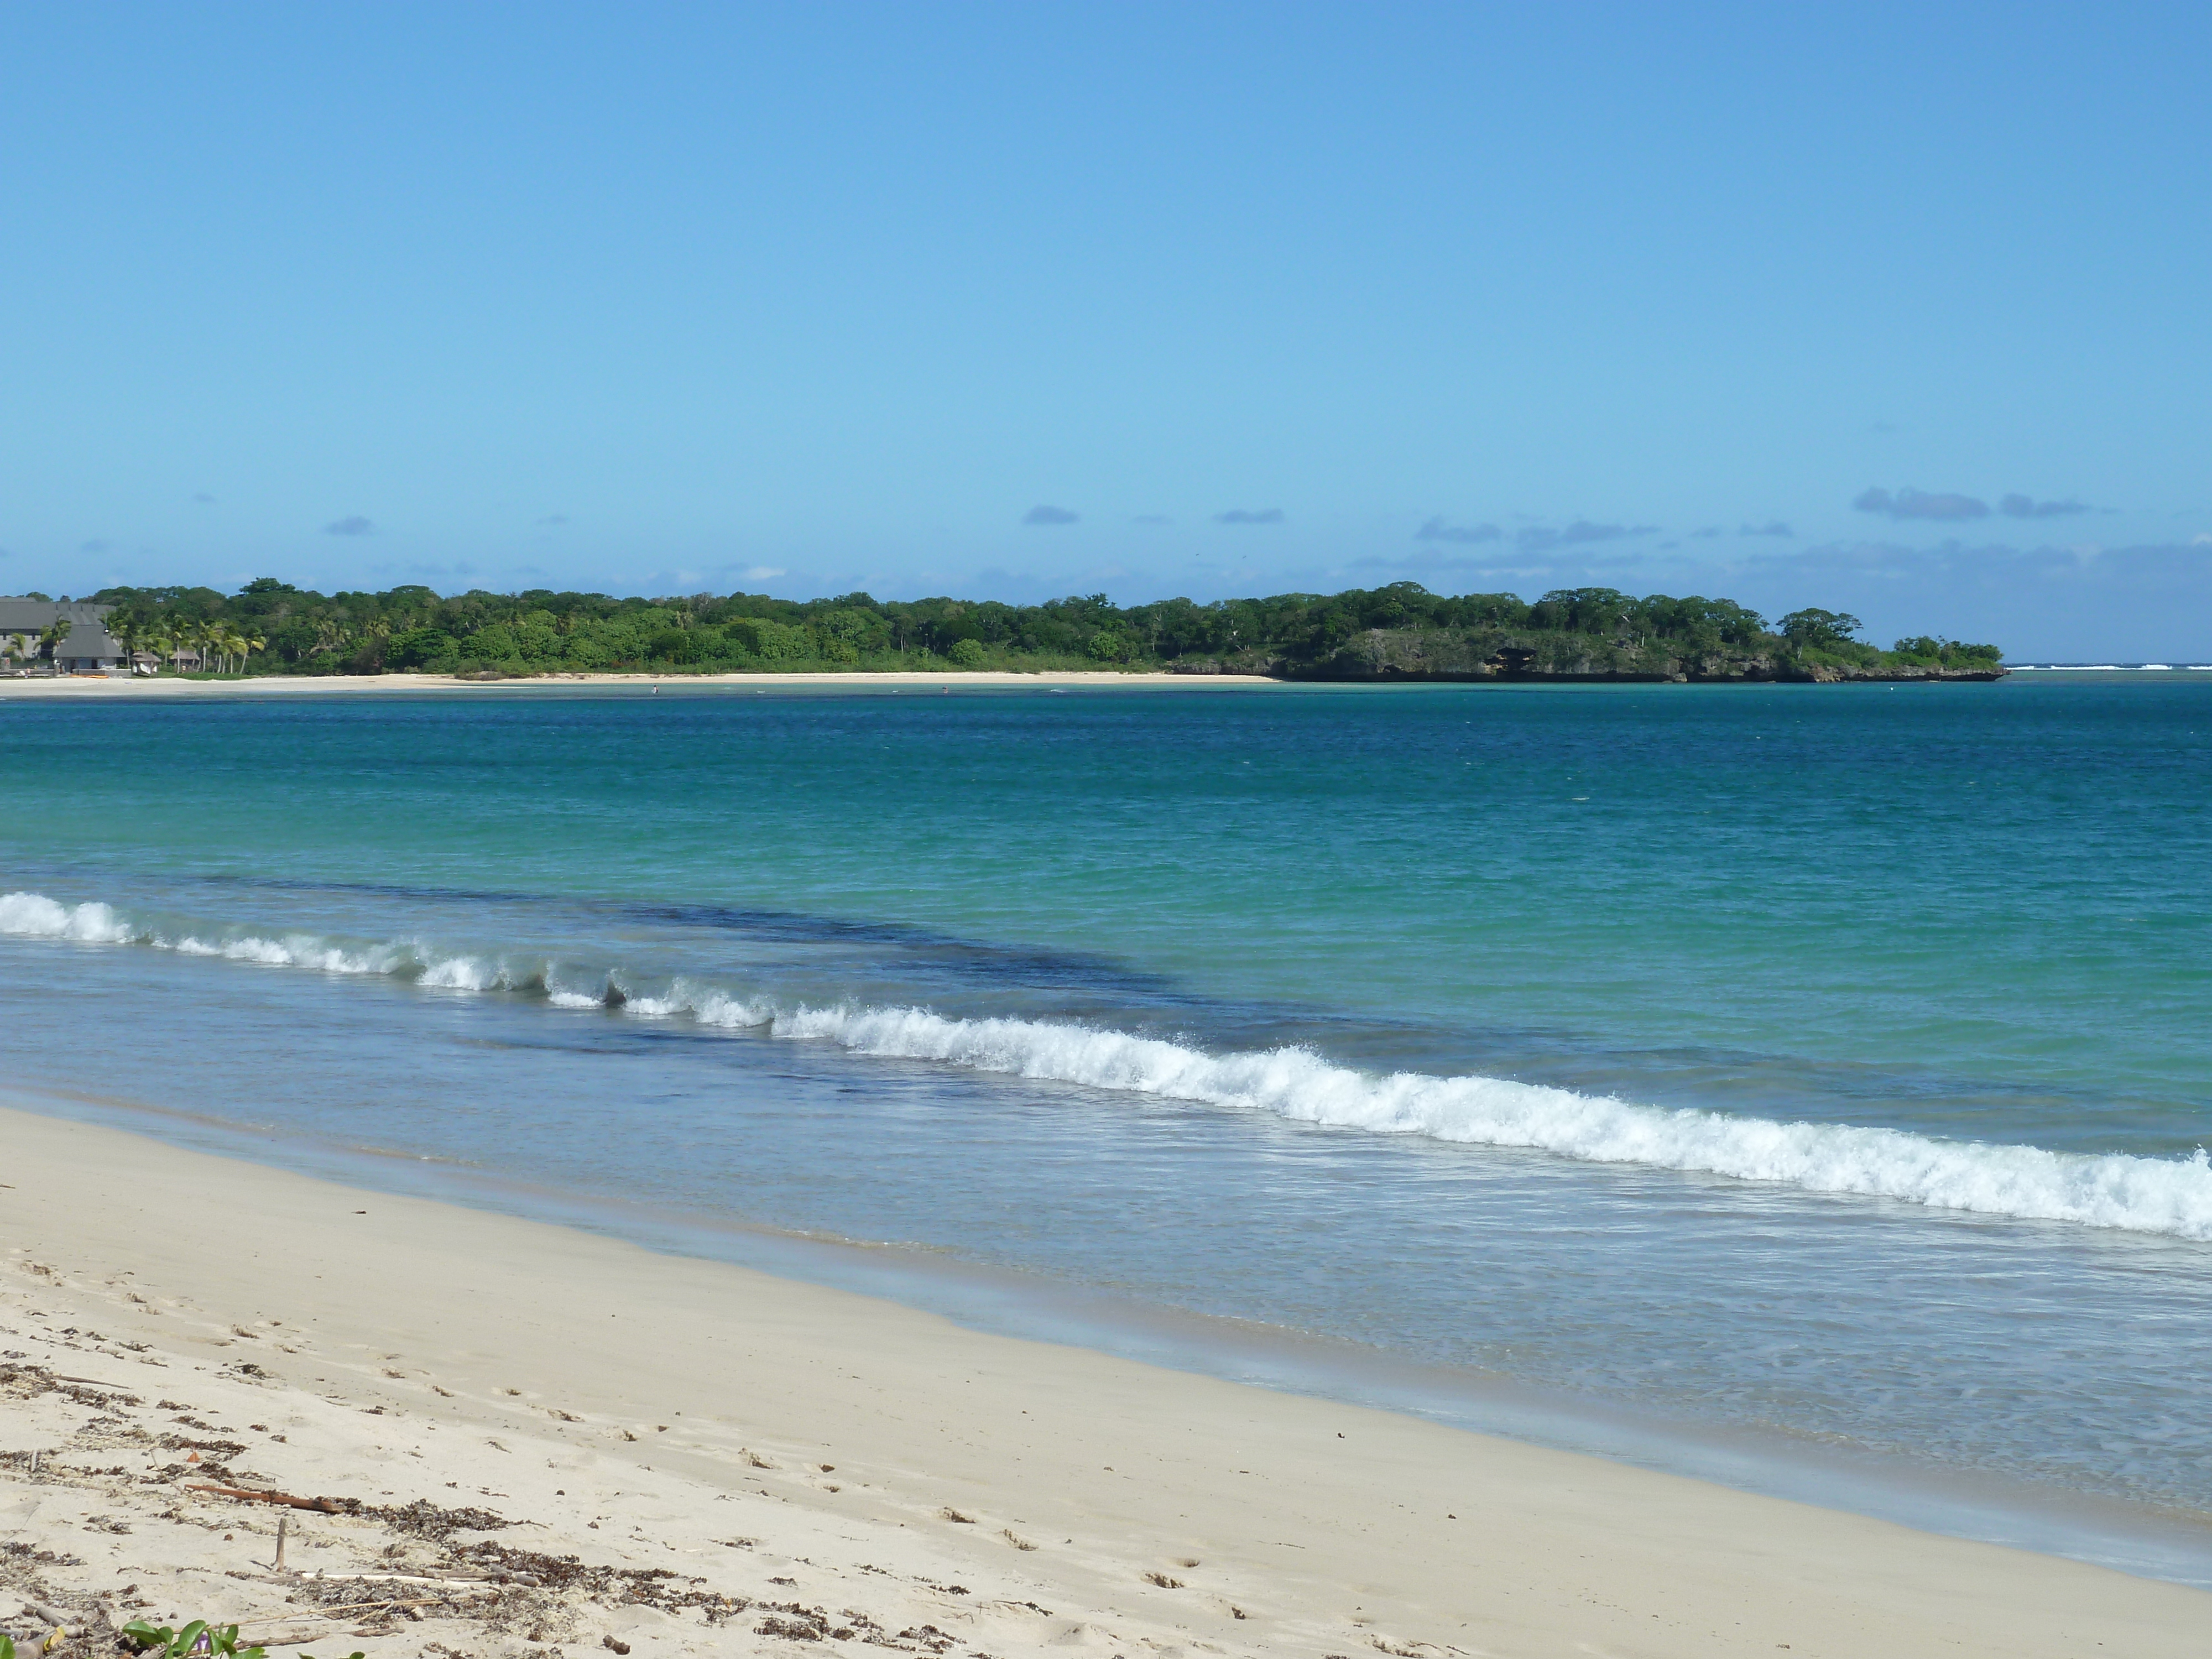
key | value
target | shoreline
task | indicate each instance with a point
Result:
(1403, 1536)
(2143, 1540)
(332, 685)
(944, 680)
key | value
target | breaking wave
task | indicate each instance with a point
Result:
(2171, 1196)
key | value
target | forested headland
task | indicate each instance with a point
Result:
(1399, 632)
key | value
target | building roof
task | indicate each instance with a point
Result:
(31, 615)
(88, 636)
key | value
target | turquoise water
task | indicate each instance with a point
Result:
(1826, 1065)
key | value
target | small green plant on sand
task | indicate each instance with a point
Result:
(214, 1642)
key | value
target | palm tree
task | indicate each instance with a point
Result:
(248, 642)
(51, 637)
(132, 635)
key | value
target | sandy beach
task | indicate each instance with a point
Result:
(170, 685)
(522, 1439)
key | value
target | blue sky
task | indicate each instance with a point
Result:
(1897, 309)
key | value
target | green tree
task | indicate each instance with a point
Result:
(1816, 628)
(420, 646)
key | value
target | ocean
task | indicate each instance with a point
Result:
(1803, 1086)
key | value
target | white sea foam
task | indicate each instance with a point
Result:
(35, 915)
(2140, 1194)
(2172, 1196)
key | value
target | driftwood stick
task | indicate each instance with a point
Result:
(283, 1522)
(322, 1505)
(336, 1608)
(386, 1578)
(67, 1623)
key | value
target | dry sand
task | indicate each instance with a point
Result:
(683, 1456)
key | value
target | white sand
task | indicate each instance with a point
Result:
(788, 1444)
(166, 685)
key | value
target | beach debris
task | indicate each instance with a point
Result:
(1016, 1538)
(613, 1646)
(1164, 1581)
(323, 1505)
(47, 1614)
(797, 1623)
(94, 1382)
(951, 1514)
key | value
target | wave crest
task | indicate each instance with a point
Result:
(2170, 1196)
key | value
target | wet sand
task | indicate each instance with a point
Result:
(740, 1463)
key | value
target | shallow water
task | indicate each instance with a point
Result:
(1824, 1065)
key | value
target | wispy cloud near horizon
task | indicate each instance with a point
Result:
(1250, 515)
(1043, 514)
(352, 524)
(1909, 503)
(1538, 538)
(2026, 506)
(1466, 535)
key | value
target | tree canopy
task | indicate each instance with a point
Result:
(1595, 630)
